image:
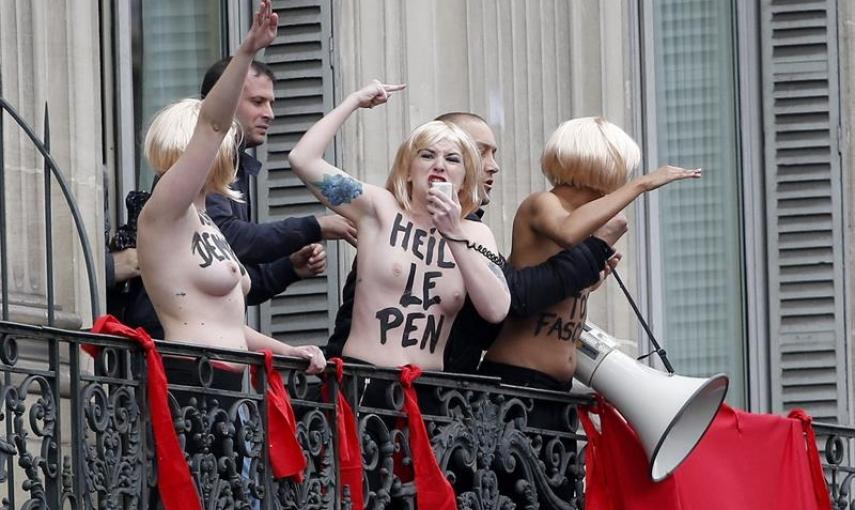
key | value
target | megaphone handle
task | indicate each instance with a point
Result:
(657, 348)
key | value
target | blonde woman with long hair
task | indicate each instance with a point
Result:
(416, 262)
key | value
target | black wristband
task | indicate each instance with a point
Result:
(599, 248)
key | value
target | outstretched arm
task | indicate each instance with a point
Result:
(180, 186)
(569, 229)
(256, 342)
(335, 189)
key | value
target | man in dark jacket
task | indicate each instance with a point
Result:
(266, 243)
(275, 254)
(532, 289)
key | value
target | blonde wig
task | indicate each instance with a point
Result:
(167, 138)
(423, 137)
(590, 152)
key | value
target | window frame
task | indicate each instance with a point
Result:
(128, 126)
(750, 117)
(749, 154)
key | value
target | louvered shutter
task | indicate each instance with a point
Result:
(803, 203)
(300, 59)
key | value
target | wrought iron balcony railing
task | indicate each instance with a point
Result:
(836, 443)
(80, 438)
(75, 433)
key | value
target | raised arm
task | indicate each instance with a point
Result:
(569, 229)
(181, 185)
(337, 190)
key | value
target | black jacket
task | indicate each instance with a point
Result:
(262, 247)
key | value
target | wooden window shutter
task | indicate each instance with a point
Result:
(804, 207)
(300, 59)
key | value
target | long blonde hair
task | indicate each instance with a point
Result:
(170, 132)
(422, 137)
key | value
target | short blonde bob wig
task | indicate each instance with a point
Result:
(423, 137)
(590, 152)
(167, 138)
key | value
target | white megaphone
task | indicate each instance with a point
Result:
(669, 413)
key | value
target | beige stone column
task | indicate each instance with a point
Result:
(49, 54)
(524, 66)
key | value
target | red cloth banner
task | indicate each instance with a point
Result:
(174, 482)
(350, 453)
(433, 490)
(286, 454)
(745, 461)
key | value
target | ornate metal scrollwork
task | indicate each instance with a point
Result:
(318, 490)
(223, 448)
(498, 462)
(839, 471)
(41, 415)
(112, 427)
(491, 441)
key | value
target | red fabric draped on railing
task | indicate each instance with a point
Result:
(745, 461)
(174, 482)
(286, 454)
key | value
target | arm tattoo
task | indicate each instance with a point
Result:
(339, 189)
(500, 275)
(204, 219)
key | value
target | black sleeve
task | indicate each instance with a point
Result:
(109, 265)
(533, 289)
(343, 317)
(116, 295)
(269, 280)
(109, 269)
(470, 336)
(255, 243)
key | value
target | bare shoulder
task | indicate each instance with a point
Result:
(152, 217)
(478, 231)
(539, 202)
(386, 208)
(538, 208)
(534, 205)
(383, 197)
(475, 227)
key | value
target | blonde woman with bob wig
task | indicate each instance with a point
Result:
(194, 280)
(418, 256)
(588, 161)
